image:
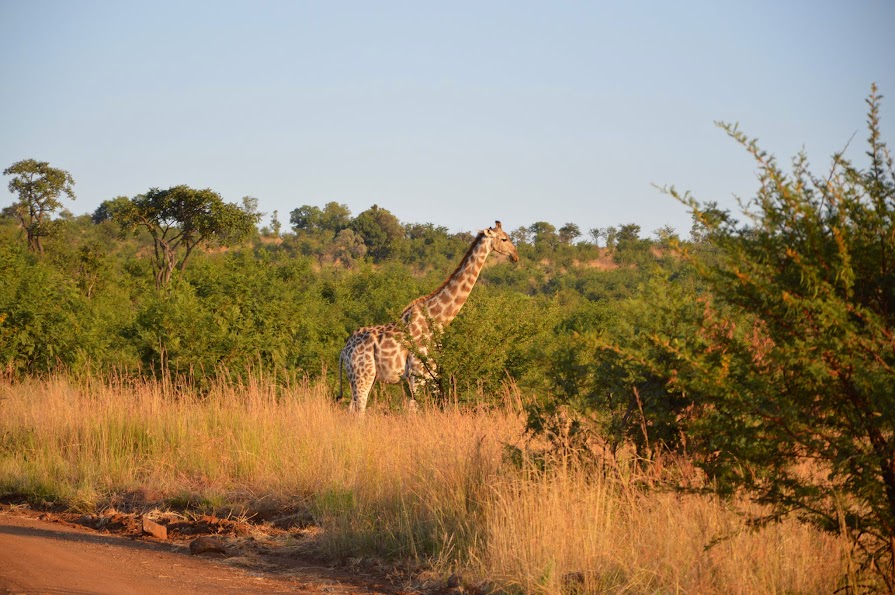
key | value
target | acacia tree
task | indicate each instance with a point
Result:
(179, 219)
(39, 187)
(793, 354)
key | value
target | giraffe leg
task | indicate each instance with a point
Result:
(411, 372)
(360, 396)
(362, 376)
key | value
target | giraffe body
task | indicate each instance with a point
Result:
(389, 352)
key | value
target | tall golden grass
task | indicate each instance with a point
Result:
(435, 488)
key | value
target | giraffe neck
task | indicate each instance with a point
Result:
(445, 303)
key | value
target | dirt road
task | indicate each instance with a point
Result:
(37, 556)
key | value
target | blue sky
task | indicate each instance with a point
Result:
(455, 113)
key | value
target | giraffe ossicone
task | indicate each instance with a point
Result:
(393, 352)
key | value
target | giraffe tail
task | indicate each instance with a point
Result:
(341, 362)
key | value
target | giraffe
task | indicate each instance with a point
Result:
(389, 352)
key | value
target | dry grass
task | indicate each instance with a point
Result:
(434, 488)
(567, 528)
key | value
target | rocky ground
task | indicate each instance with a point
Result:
(117, 552)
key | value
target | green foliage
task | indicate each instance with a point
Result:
(543, 235)
(569, 232)
(806, 369)
(41, 316)
(604, 364)
(381, 231)
(375, 295)
(179, 219)
(268, 314)
(174, 333)
(38, 187)
(332, 218)
(776, 365)
(498, 336)
(431, 246)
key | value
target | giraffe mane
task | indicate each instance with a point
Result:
(418, 300)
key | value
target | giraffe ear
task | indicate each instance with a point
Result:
(489, 232)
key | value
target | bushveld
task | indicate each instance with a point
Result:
(436, 489)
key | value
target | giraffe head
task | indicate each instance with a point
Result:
(500, 242)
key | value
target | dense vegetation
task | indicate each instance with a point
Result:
(113, 292)
(760, 345)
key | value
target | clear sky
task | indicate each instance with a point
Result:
(456, 113)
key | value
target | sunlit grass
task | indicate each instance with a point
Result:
(434, 488)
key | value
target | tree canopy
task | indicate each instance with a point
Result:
(179, 219)
(381, 232)
(39, 188)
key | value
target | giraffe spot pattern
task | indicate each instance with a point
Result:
(381, 352)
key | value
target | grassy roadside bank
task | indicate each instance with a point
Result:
(434, 489)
